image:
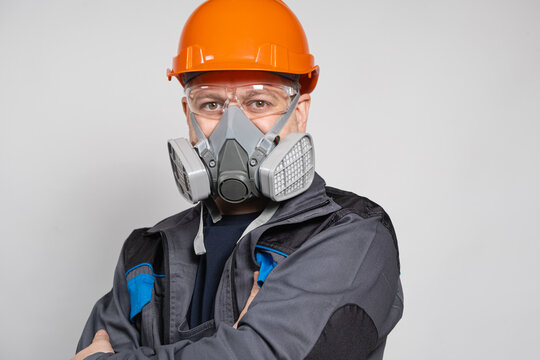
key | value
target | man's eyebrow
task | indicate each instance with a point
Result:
(254, 92)
(210, 93)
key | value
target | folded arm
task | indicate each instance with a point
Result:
(334, 293)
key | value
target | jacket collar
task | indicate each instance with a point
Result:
(314, 196)
(311, 202)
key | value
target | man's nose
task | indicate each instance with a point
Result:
(232, 101)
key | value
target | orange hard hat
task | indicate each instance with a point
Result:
(245, 35)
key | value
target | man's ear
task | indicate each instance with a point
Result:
(185, 107)
(302, 112)
(192, 136)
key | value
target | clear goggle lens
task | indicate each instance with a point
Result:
(256, 100)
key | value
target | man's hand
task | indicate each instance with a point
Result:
(101, 343)
(254, 291)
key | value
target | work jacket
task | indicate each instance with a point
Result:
(331, 289)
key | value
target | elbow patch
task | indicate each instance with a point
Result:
(349, 334)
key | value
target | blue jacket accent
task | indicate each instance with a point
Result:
(140, 292)
(270, 249)
(144, 264)
(267, 264)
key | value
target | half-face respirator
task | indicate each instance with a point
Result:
(238, 161)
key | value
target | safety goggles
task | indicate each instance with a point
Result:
(255, 100)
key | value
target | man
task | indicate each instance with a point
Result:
(314, 269)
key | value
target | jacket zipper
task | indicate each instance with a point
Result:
(167, 298)
(236, 310)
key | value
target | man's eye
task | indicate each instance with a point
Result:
(211, 106)
(258, 104)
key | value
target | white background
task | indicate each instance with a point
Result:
(430, 108)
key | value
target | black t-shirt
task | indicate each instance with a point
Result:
(219, 240)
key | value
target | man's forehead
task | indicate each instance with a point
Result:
(237, 77)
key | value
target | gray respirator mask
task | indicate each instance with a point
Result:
(238, 161)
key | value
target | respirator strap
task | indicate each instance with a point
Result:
(198, 242)
(204, 149)
(212, 209)
(285, 117)
(196, 127)
(267, 142)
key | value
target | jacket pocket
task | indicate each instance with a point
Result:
(146, 303)
(205, 329)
